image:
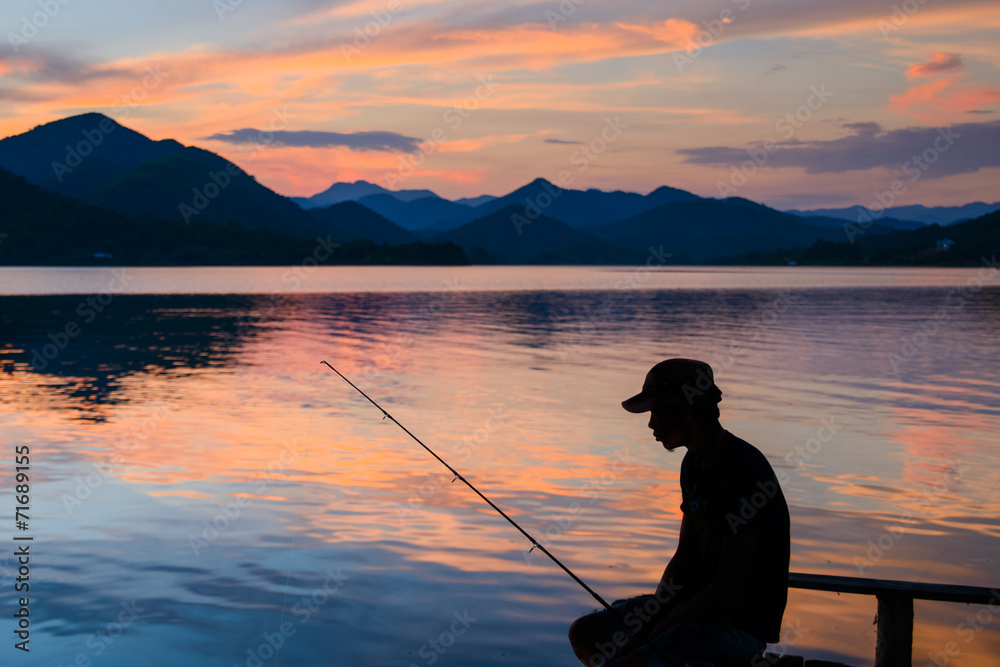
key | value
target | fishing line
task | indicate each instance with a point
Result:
(535, 544)
(458, 475)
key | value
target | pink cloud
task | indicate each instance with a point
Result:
(940, 101)
(939, 62)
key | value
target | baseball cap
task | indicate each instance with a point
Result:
(676, 381)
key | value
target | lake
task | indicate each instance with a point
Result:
(204, 492)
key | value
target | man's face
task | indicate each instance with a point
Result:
(667, 422)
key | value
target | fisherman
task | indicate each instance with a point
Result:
(723, 593)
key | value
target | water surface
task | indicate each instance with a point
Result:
(190, 453)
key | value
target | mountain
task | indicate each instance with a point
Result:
(926, 215)
(969, 243)
(424, 210)
(350, 220)
(667, 195)
(178, 186)
(475, 201)
(580, 208)
(419, 213)
(511, 239)
(339, 192)
(576, 208)
(824, 222)
(93, 158)
(712, 230)
(41, 228)
(550, 200)
(73, 155)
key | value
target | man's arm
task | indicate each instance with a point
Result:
(724, 592)
(670, 583)
(684, 555)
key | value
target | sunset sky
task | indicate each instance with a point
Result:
(834, 100)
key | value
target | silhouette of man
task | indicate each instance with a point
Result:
(723, 593)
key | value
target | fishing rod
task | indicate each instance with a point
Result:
(458, 475)
(535, 545)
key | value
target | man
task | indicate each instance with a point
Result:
(722, 595)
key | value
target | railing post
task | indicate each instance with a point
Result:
(894, 635)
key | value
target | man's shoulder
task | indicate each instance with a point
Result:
(749, 478)
(741, 449)
(744, 457)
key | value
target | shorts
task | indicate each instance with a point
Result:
(722, 644)
(636, 615)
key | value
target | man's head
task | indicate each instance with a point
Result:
(681, 396)
(676, 382)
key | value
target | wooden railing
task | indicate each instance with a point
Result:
(894, 634)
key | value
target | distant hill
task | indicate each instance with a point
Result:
(340, 192)
(966, 243)
(543, 241)
(349, 220)
(422, 209)
(41, 228)
(120, 169)
(710, 229)
(926, 215)
(883, 224)
(667, 195)
(581, 208)
(475, 201)
(420, 213)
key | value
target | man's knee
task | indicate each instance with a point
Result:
(590, 638)
(583, 629)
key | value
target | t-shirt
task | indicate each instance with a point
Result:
(740, 493)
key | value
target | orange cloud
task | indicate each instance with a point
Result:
(467, 145)
(198, 86)
(536, 47)
(940, 62)
(676, 33)
(942, 100)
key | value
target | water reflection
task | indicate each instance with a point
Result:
(91, 355)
